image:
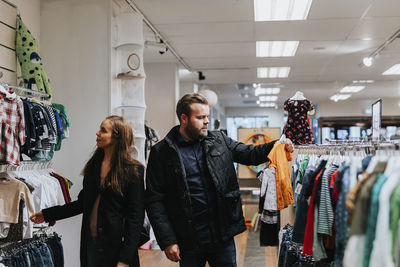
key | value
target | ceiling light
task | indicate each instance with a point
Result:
(270, 10)
(394, 70)
(367, 61)
(273, 72)
(352, 89)
(268, 98)
(363, 81)
(276, 48)
(267, 104)
(338, 97)
(267, 91)
(367, 39)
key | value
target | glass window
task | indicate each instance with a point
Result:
(234, 123)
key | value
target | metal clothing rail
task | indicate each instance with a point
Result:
(24, 90)
(370, 147)
(27, 166)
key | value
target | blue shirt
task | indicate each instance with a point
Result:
(202, 191)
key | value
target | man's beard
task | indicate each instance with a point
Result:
(193, 133)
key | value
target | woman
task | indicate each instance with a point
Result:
(112, 200)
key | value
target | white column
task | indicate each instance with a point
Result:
(162, 94)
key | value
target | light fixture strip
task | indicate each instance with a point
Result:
(273, 72)
(352, 89)
(276, 48)
(281, 10)
(267, 91)
(268, 98)
(394, 70)
(338, 97)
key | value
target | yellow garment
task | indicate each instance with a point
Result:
(279, 159)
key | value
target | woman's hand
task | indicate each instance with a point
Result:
(37, 217)
(121, 264)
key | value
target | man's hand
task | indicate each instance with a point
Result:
(172, 252)
(37, 217)
(289, 146)
(121, 264)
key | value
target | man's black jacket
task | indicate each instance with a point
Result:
(168, 200)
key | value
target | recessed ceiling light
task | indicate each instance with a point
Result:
(267, 91)
(267, 104)
(352, 89)
(338, 97)
(273, 72)
(394, 70)
(268, 98)
(366, 39)
(363, 81)
(270, 10)
(276, 48)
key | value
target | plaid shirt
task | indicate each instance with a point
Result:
(12, 128)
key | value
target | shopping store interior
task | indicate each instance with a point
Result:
(137, 58)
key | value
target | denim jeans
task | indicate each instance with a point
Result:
(46, 255)
(7, 262)
(36, 257)
(56, 249)
(17, 260)
(219, 255)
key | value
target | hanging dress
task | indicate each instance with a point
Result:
(297, 127)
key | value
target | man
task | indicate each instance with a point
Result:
(192, 196)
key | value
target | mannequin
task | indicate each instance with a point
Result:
(298, 126)
(298, 96)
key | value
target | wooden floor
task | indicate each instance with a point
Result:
(156, 258)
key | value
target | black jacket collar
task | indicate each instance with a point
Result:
(172, 136)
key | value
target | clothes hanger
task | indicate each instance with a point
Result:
(282, 140)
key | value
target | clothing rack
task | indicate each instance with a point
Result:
(27, 165)
(351, 144)
(25, 91)
(344, 148)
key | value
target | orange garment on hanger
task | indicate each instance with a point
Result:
(279, 159)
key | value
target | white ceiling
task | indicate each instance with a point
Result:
(218, 38)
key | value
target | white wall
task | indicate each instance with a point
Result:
(275, 115)
(357, 107)
(161, 95)
(75, 45)
(187, 88)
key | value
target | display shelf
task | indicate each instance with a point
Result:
(129, 77)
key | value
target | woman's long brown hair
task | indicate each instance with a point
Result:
(122, 162)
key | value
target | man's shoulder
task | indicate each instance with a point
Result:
(216, 134)
(160, 145)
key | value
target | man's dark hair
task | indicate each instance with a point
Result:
(183, 106)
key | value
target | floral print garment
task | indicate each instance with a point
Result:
(297, 127)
